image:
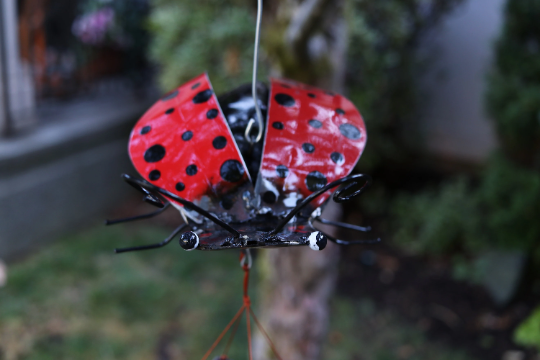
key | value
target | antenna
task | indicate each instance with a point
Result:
(254, 82)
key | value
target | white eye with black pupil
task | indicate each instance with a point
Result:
(317, 240)
(189, 241)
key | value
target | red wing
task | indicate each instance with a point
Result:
(184, 145)
(312, 138)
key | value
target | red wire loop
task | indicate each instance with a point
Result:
(246, 307)
(247, 300)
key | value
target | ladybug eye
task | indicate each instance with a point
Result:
(317, 240)
(189, 241)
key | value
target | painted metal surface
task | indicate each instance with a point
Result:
(313, 137)
(183, 144)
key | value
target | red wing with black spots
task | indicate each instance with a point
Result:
(313, 137)
(184, 145)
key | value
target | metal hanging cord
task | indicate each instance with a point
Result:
(254, 83)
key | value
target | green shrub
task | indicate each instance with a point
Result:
(513, 96)
(528, 333)
(501, 212)
(438, 221)
(509, 199)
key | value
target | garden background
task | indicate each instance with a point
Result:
(449, 90)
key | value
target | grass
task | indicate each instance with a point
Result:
(77, 300)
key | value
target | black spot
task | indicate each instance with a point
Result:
(337, 158)
(277, 125)
(232, 171)
(169, 111)
(315, 181)
(187, 135)
(284, 99)
(350, 131)
(285, 86)
(309, 148)
(202, 96)
(311, 95)
(145, 130)
(269, 197)
(191, 170)
(219, 142)
(180, 186)
(330, 93)
(212, 114)
(226, 202)
(154, 153)
(340, 111)
(282, 171)
(195, 86)
(154, 175)
(170, 95)
(321, 241)
(315, 123)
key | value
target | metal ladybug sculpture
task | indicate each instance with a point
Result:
(192, 152)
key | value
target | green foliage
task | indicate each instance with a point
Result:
(383, 66)
(191, 37)
(438, 221)
(513, 98)
(78, 300)
(501, 212)
(528, 333)
(509, 199)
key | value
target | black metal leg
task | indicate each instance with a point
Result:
(138, 217)
(154, 246)
(344, 225)
(344, 184)
(347, 226)
(144, 185)
(354, 242)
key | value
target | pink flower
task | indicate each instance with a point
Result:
(92, 28)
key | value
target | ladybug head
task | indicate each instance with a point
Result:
(195, 152)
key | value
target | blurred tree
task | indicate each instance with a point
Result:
(367, 47)
(305, 41)
(191, 37)
(513, 97)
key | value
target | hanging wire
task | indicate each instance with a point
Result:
(254, 83)
(245, 264)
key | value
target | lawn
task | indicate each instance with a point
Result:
(76, 299)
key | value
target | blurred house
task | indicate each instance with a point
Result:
(454, 120)
(66, 112)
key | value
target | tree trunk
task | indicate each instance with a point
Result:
(297, 286)
(307, 42)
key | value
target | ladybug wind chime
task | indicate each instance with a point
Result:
(241, 182)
